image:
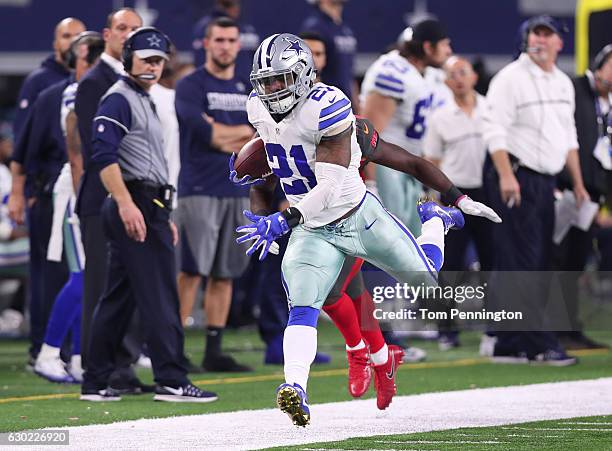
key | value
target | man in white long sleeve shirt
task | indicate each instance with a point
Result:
(531, 135)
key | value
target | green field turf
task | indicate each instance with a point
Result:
(27, 401)
(588, 433)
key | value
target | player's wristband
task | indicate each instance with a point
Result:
(452, 196)
(292, 216)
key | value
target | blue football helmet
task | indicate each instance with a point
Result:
(283, 72)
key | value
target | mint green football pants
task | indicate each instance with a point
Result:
(314, 256)
(400, 193)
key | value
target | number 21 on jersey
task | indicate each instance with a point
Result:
(291, 168)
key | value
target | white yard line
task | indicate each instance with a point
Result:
(336, 421)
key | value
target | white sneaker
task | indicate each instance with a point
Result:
(53, 369)
(487, 345)
(413, 355)
(75, 369)
(10, 323)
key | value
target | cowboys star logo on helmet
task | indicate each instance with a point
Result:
(293, 47)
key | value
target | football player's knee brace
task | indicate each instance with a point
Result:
(330, 178)
(303, 316)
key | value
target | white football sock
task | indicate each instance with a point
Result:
(48, 352)
(432, 232)
(299, 349)
(359, 345)
(381, 356)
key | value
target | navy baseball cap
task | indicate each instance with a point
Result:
(545, 21)
(149, 42)
(429, 30)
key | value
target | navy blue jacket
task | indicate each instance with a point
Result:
(41, 147)
(91, 89)
(204, 169)
(49, 73)
(340, 46)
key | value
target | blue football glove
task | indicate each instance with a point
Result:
(264, 230)
(233, 175)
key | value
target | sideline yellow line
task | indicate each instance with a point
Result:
(269, 377)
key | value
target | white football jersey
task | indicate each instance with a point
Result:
(393, 76)
(291, 146)
(68, 97)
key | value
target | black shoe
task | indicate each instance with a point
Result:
(131, 387)
(191, 367)
(103, 395)
(578, 341)
(186, 393)
(223, 363)
(553, 358)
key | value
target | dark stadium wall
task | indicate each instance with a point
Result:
(476, 26)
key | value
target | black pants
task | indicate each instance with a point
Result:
(478, 230)
(46, 278)
(523, 250)
(96, 270)
(143, 275)
(570, 259)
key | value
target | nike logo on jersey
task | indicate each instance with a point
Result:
(391, 373)
(367, 227)
(332, 100)
(365, 128)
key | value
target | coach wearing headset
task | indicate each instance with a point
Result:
(128, 149)
(531, 135)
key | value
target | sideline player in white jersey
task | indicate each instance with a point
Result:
(312, 149)
(65, 237)
(397, 97)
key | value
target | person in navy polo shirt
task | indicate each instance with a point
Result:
(37, 159)
(119, 24)
(340, 44)
(211, 110)
(128, 148)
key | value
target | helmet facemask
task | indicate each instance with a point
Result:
(283, 72)
(280, 90)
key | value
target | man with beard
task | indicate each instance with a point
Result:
(36, 163)
(211, 110)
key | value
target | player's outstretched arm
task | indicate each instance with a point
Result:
(381, 152)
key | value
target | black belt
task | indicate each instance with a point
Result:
(531, 171)
(162, 195)
(518, 164)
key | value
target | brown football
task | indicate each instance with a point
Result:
(252, 160)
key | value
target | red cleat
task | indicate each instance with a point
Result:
(384, 377)
(360, 373)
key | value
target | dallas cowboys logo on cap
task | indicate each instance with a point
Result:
(154, 41)
(148, 42)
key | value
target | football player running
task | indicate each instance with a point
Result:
(312, 149)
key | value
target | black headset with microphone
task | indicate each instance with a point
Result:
(128, 50)
(602, 57)
(95, 48)
(527, 26)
